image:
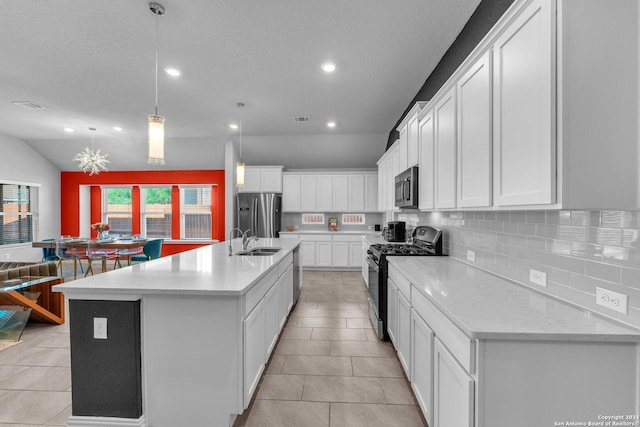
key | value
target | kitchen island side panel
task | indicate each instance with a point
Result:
(106, 373)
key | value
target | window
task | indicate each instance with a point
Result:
(195, 213)
(117, 209)
(155, 211)
(17, 213)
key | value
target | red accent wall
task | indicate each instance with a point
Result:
(70, 183)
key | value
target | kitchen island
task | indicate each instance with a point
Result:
(181, 340)
(482, 351)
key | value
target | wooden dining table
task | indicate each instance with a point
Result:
(80, 243)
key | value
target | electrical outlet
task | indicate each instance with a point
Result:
(100, 328)
(612, 300)
(471, 256)
(7, 256)
(538, 277)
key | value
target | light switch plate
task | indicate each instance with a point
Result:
(100, 328)
(471, 256)
(612, 300)
(538, 277)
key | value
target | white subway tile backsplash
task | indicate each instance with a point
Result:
(579, 250)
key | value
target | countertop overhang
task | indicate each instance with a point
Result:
(208, 270)
(485, 306)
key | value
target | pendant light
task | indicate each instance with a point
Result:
(156, 122)
(90, 160)
(240, 164)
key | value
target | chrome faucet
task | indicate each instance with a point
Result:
(231, 236)
(246, 239)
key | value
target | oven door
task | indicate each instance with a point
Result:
(374, 296)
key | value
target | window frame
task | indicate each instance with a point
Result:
(33, 212)
(182, 188)
(105, 203)
(143, 205)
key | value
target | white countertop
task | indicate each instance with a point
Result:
(358, 232)
(485, 306)
(208, 270)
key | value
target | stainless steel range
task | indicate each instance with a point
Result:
(427, 241)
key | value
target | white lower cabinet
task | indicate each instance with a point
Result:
(254, 350)
(340, 254)
(392, 311)
(330, 250)
(262, 326)
(452, 390)
(404, 333)
(308, 254)
(422, 365)
(271, 317)
(323, 254)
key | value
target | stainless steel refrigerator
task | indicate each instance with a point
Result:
(259, 212)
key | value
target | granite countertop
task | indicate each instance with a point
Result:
(358, 232)
(208, 270)
(485, 306)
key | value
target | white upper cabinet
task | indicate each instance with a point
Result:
(427, 163)
(371, 192)
(356, 193)
(309, 193)
(524, 109)
(445, 151)
(291, 193)
(251, 180)
(403, 148)
(326, 192)
(262, 179)
(341, 193)
(474, 135)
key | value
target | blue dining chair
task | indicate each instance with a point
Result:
(49, 254)
(151, 250)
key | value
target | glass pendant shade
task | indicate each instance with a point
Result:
(156, 140)
(240, 174)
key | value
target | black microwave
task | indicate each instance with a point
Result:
(406, 189)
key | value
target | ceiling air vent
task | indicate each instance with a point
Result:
(302, 119)
(28, 104)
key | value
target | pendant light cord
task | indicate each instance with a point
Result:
(156, 65)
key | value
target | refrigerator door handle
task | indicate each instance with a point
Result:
(254, 218)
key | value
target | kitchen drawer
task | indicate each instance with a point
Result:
(347, 238)
(316, 237)
(401, 282)
(284, 264)
(460, 345)
(259, 290)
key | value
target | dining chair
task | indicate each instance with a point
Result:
(49, 254)
(65, 251)
(95, 252)
(151, 250)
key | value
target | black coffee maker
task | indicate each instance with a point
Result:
(395, 231)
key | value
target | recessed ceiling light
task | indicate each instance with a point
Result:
(69, 130)
(173, 72)
(233, 126)
(328, 67)
(117, 128)
(331, 124)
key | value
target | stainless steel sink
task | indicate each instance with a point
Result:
(260, 251)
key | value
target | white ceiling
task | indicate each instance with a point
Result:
(91, 64)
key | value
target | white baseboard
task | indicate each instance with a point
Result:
(84, 421)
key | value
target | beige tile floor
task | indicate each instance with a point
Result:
(328, 369)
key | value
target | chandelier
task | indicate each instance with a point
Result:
(91, 160)
(156, 122)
